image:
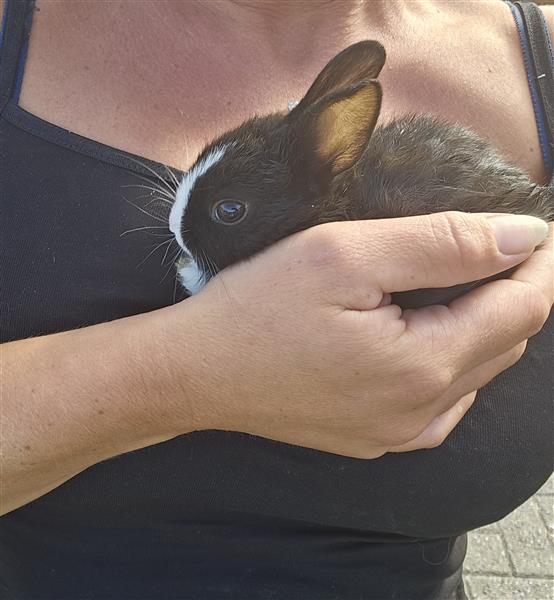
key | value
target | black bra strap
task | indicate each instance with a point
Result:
(14, 32)
(543, 62)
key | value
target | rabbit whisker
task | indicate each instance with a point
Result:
(175, 284)
(166, 251)
(159, 200)
(153, 188)
(156, 175)
(142, 228)
(173, 178)
(215, 271)
(148, 195)
(145, 212)
(165, 187)
(152, 252)
(172, 261)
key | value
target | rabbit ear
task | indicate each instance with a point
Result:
(359, 62)
(336, 130)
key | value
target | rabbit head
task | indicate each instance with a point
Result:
(269, 177)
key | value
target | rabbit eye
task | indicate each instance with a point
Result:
(229, 212)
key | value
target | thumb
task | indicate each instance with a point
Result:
(441, 249)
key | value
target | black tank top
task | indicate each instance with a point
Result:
(216, 515)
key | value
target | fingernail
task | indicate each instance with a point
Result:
(517, 234)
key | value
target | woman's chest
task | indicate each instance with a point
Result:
(167, 104)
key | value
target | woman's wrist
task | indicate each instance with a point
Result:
(166, 349)
(73, 399)
(190, 363)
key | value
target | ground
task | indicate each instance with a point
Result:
(514, 558)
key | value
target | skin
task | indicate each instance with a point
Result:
(78, 77)
(77, 73)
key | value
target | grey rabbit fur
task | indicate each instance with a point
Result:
(325, 160)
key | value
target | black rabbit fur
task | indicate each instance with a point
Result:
(325, 161)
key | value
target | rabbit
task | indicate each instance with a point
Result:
(325, 160)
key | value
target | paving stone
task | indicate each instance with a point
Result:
(529, 545)
(514, 558)
(467, 586)
(492, 528)
(546, 508)
(486, 554)
(488, 587)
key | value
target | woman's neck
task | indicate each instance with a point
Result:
(279, 10)
(293, 32)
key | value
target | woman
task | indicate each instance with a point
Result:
(219, 513)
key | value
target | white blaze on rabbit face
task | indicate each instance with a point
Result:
(184, 191)
(191, 276)
(190, 273)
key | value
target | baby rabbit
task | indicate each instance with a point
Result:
(325, 161)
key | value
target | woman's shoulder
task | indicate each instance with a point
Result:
(468, 68)
(549, 14)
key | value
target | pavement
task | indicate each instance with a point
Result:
(513, 559)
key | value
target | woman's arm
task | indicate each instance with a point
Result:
(76, 398)
(300, 345)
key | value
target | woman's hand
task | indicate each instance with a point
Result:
(302, 345)
(538, 272)
(299, 344)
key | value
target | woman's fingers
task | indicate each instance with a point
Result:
(538, 269)
(459, 398)
(504, 312)
(429, 251)
(440, 427)
(480, 325)
(370, 259)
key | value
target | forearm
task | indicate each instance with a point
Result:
(73, 399)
